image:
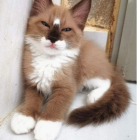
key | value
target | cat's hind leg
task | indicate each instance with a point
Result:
(97, 88)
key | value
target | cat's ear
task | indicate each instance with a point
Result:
(39, 6)
(80, 12)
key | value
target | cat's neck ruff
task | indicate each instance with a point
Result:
(45, 67)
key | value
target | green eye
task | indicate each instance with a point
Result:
(45, 24)
(66, 29)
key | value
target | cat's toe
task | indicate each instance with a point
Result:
(21, 124)
(47, 130)
(92, 97)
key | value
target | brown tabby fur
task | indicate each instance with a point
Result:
(90, 63)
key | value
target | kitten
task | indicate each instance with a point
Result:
(57, 63)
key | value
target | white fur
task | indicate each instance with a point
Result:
(56, 21)
(46, 65)
(99, 87)
(47, 130)
(21, 124)
(60, 44)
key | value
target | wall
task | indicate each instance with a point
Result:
(13, 18)
(119, 29)
(127, 53)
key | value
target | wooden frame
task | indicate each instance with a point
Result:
(111, 36)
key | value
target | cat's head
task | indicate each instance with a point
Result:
(53, 29)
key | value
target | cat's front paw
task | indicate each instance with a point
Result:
(21, 124)
(47, 130)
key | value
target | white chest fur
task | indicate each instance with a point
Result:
(45, 68)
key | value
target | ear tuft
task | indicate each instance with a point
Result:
(80, 12)
(39, 6)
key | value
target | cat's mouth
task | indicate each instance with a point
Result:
(53, 45)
